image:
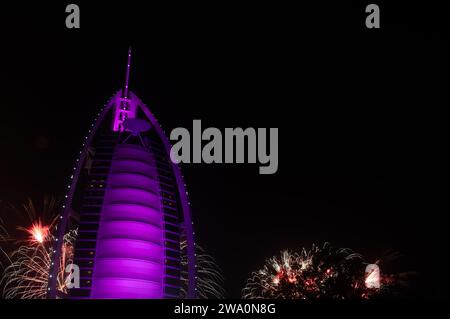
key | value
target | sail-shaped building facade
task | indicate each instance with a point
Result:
(129, 204)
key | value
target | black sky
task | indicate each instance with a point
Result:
(362, 116)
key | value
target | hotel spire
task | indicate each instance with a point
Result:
(127, 75)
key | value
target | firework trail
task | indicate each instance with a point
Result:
(28, 274)
(3, 233)
(4, 236)
(26, 277)
(209, 275)
(314, 274)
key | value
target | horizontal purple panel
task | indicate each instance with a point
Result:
(131, 195)
(131, 212)
(115, 288)
(129, 179)
(131, 229)
(129, 248)
(132, 151)
(133, 166)
(129, 268)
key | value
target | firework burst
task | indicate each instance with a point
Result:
(40, 223)
(38, 232)
(322, 272)
(27, 275)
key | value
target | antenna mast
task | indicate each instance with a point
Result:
(127, 76)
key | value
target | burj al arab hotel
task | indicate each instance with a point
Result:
(128, 202)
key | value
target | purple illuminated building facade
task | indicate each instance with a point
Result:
(128, 201)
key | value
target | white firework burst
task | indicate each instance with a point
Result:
(209, 279)
(321, 272)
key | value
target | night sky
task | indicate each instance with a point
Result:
(362, 117)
